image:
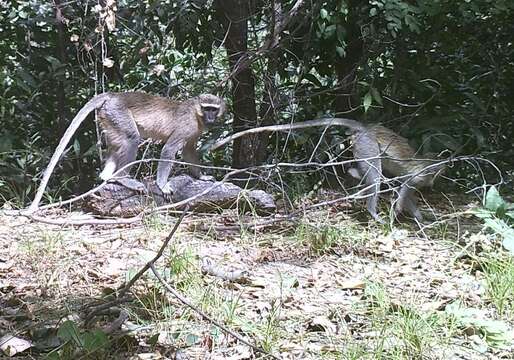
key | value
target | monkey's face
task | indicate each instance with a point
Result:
(210, 113)
(209, 108)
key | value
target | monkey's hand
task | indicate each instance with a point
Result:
(207, 178)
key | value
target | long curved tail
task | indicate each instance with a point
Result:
(349, 123)
(91, 105)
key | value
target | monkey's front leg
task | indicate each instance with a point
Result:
(191, 156)
(169, 152)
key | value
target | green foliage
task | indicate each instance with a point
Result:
(495, 333)
(90, 344)
(439, 72)
(498, 216)
(499, 275)
(405, 332)
(321, 236)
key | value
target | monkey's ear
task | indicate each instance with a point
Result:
(198, 110)
(222, 109)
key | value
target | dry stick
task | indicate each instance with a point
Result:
(180, 203)
(184, 301)
(123, 289)
(150, 265)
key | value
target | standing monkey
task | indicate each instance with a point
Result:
(128, 117)
(378, 150)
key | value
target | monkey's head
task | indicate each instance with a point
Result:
(209, 108)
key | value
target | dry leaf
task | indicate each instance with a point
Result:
(352, 284)
(12, 345)
(322, 323)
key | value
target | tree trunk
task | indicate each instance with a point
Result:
(346, 68)
(234, 15)
(269, 101)
(62, 114)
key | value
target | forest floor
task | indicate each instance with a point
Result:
(326, 287)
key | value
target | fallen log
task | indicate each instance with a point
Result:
(128, 197)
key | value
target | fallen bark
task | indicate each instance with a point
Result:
(128, 197)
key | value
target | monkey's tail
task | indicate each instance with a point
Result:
(354, 125)
(91, 105)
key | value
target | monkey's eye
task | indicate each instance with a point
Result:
(210, 108)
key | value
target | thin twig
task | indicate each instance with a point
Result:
(123, 289)
(184, 301)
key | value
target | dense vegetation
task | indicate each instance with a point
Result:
(315, 283)
(439, 72)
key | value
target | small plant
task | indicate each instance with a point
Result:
(498, 216)
(47, 242)
(269, 328)
(155, 222)
(499, 276)
(321, 237)
(495, 333)
(404, 331)
(79, 344)
(230, 309)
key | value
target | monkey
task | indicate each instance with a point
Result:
(126, 118)
(396, 159)
(377, 151)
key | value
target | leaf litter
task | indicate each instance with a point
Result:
(299, 302)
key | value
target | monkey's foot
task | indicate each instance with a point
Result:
(108, 170)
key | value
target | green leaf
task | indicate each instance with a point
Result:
(482, 213)
(323, 13)
(95, 340)
(76, 147)
(367, 101)
(192, 339)
(313, 79)
(501, 228)
(330, 30)
(153, 339)
(508, 241)
(497, 333)
(69, 331)
(493, 200)
(340, 51)
(27, 78)
(376, 95)
(476, 101)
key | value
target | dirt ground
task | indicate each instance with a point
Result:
(325, 287)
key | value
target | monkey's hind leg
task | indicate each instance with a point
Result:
(369, 168)
(406, 202)
(367, 172)
(122, 137)
(190, 155)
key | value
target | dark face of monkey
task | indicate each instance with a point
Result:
(210, 108)
(210, 114)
